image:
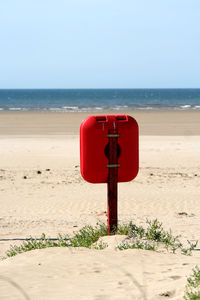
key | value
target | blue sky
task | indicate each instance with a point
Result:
(100, 44)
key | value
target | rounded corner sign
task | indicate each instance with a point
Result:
(94, 147)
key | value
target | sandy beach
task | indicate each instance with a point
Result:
(57, 200)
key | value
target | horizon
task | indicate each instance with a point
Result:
(101, 88)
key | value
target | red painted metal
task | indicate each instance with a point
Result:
(94, 147)
(109, 153)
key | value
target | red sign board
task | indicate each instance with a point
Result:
(95, 132)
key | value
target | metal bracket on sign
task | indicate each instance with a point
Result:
(112, 135)
(113, 166)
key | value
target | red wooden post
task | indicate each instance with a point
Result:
(112, 183)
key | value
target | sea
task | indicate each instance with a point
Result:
(85, 100)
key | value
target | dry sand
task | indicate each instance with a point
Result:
(59, 201)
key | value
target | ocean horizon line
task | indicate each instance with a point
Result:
(99, 99)
(110, 88)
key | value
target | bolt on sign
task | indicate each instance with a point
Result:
(109, 153)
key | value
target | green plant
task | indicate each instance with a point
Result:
(88, 235)
(151, 238)
(131, 230)
(155, 232)
(100, 246)
(84, 238)
(192, 291)
(43, 242)
(188, 251)
(136, 244)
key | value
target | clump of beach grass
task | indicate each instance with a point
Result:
(83, 238)
(88, 235)
(152, 238)
(192, 290)
(42, 242)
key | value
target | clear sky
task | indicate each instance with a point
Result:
(100, 44)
